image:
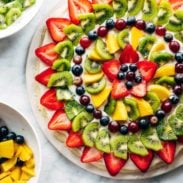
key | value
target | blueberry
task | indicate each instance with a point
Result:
(168, 37)
(90, 108)
(3, 131)
(124, 68)
(160, 114)
(123, 129)
(104, 121)
(144, 123)
(80, 50)
(77, 70)
(80, 90)
(131, 21)
(179, 78)
(20, 139)
(110, 24)
(129, 85)
(19, 163)
(92, 35)
(133, 67)
(179, 57)
(150, 28)
(11, 136)
(138, 79)
(2, 160)
(121, 75)
(174, 99)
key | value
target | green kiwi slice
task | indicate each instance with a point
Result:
(12, 15)
(3, 9)
(179, 112)
(120, 7)
(135, 6)
(2, 22)
(166, 80)
(123, 38)
(179, 36)
(91, 66)
(61, 65)
(64, 94)
(110, 106)
(153, 100)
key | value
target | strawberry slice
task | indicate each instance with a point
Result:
(91, 154)
(147, 69)
(44, 76)
(142, 162)
(47, 54)
(74, 139)
(101, 1)
(129, 55)
(119, 89)
(59, 121)
(139, 90)
(50, 101)
(111, 69)
(77, 7)
(168, 152)
(55, 28)
(113, 164)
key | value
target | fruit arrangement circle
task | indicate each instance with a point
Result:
(115, 80)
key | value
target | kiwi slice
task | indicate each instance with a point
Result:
(87, 21)
(90, 133)
(179, 112)
(73, 108)
(61, 65)
(60, 79)
(102, 12)
(119, 146)
(14, 4)
(110, 106)
(91, 66)
(135, 6)
(120, 7)
(179, 36)
(150, 139)
(64, 94)
(132, 108)
(2, 22)
(12, 15)
(3, 9)
(166, 80)
(123, 38)
(65, 49)
(102, 141)
(161, 57)
(153, 100)
(136, 146)
(27, 3)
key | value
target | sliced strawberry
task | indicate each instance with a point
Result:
(168, 152)
(129, 55)
(113, 164)
(101, 1)
(47, 54)
(178, 5)
(142, 162)
(139, 90)
(77, 7)
(50, 101)
(74, 139)
(111, 69)
(180, 139)
(147, 69)
(91, 154)
(119, 89)
(59, 121)
(55, 28)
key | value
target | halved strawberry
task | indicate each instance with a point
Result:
(77, 7)
(74, 139)
(91, 154)
(47, 54)
(139, 90)
(129, 55)
(50, 101)
(59, 121)
(142, 162)
(111, 69)
(55, 28)
(113, 164)
(101, 1)
(168, 152)
(147, 69)
(119, 89)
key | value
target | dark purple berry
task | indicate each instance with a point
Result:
(133, 127)
(84, 100)
(120, 24)
(114, 126)
(140, 24)
(97, 114)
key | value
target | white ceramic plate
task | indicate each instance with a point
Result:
(18, 124)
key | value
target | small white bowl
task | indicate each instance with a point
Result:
(22, 21)
(18, 124)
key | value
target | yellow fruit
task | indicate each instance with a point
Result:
(165, 70)
(7, 149)
(8, 165)
(93, 55)
(20, 181)
(30, 163)
(157, 48)
(162, 92)
(100, 98)
(25, 176)
(136, 35)
(6, 180)
(29, 171)
(16, 173)
(120, 113)
(4, 174)
(88, 78)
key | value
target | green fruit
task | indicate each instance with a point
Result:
(120, 7)
(65, 49)
(150, 139)
(12, 15)
(153, 100)
(135, 6)
(111, 106)
(73, 108)
(123, 38)
(91, 66)
(3, 9)
(97, 87)
(135, 145)
(61, 65)
(179, 112)
(132, 108)
(60, 79)
(27, 3)
(81, 120)
(119, 146)
(161, 57)
(181, 99)
(64, 94)
(14, 4)
(102, 12)
(87, 21)
(2, 22)
(102, 141)
(179, 36)
(166, 80)
(90, 134)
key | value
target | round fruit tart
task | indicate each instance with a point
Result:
(113, 82)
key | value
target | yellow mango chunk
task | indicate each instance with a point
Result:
(157, 48)
(29, 171)
(30, 163)
(16, 173)
(8, 165)
(7, 149)
(88, 78)
(4, 174)
(135, 37)
(25, 176)
(19, 149)
(20, 181)
(6, 180)
(165, 70)
(100, 98)
(93, 55)
(120, 113)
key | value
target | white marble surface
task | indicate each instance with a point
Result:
(55, 169)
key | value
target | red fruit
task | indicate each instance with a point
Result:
(47, 54)
(74, 139)
(139, 90)
(142, 162)
(113, 164)
(111, 69)
(140, 24)
(174, 46)
(119, 90)
(114, 126)
(85, 42)
(147, 69)
(166, 106)
(120, 24)
(161, 31)
(91, 154)
(176, 4)
(59, 121)
(101, 1)
(180, 139)
(55, 28)
(133, 127)
(102, 31)
(77, 7)
(44, 76)
(168, 152)
(49, 100)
